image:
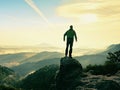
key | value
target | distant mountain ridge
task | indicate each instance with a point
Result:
(98, 58)
(113, 48)
(10, 60)
(26, 68)
(14, 59)
(44, 55)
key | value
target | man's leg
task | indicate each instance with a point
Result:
(70, 51)
(66, 51)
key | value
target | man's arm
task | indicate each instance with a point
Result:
(75, 36)
(64, 36)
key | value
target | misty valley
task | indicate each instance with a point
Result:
(37, 70)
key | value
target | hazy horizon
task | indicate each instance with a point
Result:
(32, 22)
(46, 48)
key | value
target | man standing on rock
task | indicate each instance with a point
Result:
(70, 38)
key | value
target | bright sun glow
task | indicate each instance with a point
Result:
(88, 18)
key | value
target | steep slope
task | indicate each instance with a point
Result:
(7, 76)
(42, 79)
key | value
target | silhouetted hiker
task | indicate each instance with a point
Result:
(70, 38)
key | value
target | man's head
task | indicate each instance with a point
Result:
(71, 27)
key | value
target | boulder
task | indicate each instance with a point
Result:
(67, 77)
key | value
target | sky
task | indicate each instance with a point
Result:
(32, 22)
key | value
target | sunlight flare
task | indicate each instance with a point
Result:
(88, 18)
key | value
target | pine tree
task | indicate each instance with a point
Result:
(114, 57)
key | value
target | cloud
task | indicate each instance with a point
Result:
(104, 9)
(37, 10)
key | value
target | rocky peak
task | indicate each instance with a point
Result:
(70, 69)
